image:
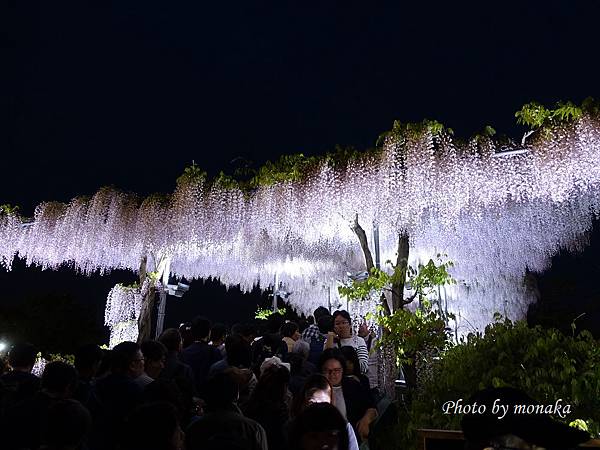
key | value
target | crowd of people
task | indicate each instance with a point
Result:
(306, 385)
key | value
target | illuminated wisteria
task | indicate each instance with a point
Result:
(122, 312)
(495, 217)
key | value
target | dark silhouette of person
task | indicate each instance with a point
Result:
(199, 355)
(319, 426)
(223, 426)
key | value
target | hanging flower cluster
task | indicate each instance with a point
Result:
(122, 311)
(495, 209)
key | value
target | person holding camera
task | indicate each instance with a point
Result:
(342, 336)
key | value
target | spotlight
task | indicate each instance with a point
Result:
(3, 346)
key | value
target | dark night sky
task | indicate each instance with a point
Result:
(128, 93)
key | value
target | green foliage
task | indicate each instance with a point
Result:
(69, 359)
(9, 209)
(409, 333)
(423, 280)
(535, 115)
(225, 181)
(413, 130)
(286, 168)
(264, 314)
(192, 174)
(545, 363)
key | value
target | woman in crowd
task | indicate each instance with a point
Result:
(352, 368)
(268, 404)
(290, 333)
(352, 399)
(342, 335)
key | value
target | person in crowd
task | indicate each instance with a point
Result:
(313, 330)
(87, 362)
(269, 404)
(342, 335)
(19, 384)
(352, 399)
(317, 389)
(245, 330)
(290, 334)
(300, 367)
(238, 355)
(515, 430)
(116, 395)
(155, 355)
(153, 426)
(223, 425)
(174, 368)
(269, 345)
(26, 423)
(218, 333)
(199, 355)
(352, 368)
(69, 423)
(186, 334)
(304, 323)
(319, 426)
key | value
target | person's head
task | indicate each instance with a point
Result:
(126, 358)
(186, 333)
(310, 320)
(221, 390)
(332, 364)
(68, 423)
(218, 333)
(153, 425)
(239, 353)
(352, 364)
(316, 389)
(274, 323)
(155, 354)
(22, 357)
(320, 312)
(200, 328)
(272, 384)
(342, 324)
(87, 360)
(519, 429)
(302, 348)
(325, 324)
(165, 391)
(290, 330)
(171, 339)
(319, 426)
(59, 379)
(245, 330)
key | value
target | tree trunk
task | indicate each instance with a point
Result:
(364, 244)
(145, 317)
(401, 266)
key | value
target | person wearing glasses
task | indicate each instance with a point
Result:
(342, 336)
(352, 399)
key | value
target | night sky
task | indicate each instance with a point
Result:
(129, 93)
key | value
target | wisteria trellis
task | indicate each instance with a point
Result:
(494, 217)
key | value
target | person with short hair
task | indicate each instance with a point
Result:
(223, 425)
(319, 426)
(218, 333)
(68, 425)
(155, 354)
(153, 426)
(26, 423)
(87, 362)
(115, 395)
(199, 355)
(174, 368)
(19, 384)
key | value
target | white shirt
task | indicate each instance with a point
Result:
(338, 399)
